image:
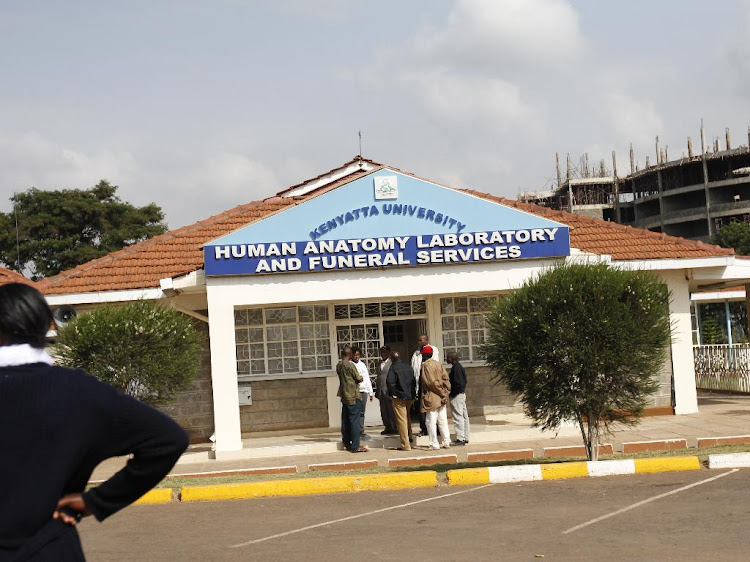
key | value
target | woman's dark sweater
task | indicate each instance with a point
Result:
(56, 425)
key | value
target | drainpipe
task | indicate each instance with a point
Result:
(729, 330)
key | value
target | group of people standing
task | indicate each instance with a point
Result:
(423, 382)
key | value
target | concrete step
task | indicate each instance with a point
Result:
(482, 434)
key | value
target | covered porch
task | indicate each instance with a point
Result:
(721, 330)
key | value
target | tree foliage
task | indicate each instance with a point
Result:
(143, 349)
(581, 343)
(734, 235)
(60, 229)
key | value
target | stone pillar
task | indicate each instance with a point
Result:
(683, 368)
(224, 375)
(747, 307)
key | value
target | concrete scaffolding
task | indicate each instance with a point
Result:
(692, 197)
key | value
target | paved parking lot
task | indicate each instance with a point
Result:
(674, 516)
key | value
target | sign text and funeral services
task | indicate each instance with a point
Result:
(364, 253)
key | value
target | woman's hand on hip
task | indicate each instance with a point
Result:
(70, 509)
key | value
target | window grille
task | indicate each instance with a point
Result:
(379, 309)
(282, 340)
(464, 325)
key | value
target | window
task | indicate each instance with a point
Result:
(393, 332)
(711, 320)
(282, 340)
(464, 326)
(364, 336)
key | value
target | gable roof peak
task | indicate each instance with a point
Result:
(355, 165)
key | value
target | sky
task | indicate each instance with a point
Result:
(202, 105)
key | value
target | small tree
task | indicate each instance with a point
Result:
(581, 343)
(60, 229)
(734, 235)
(143, 349)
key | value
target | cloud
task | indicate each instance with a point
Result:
(507, 83)
(224, 180)
(31, 160)
(325, 10)
(505, 35)
(470, 102)
(187, 187)
(631, 118)
(737, 52)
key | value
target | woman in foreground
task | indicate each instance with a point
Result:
(56, 426)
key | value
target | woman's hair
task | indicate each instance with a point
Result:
(25, 316)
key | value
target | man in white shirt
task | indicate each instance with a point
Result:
(365, 387)
(416, 365)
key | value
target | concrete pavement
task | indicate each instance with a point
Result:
(719, 415)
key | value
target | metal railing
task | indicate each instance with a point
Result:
(722, 367)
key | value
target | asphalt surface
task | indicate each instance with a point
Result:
(498, 522)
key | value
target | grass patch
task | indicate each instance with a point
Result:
(441, 469)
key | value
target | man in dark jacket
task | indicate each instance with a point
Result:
(402, 389)
(56, 425)
(459, 412)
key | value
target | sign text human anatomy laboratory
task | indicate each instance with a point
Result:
(398, 251)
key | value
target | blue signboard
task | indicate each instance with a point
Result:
(368, 253)
(385, 219)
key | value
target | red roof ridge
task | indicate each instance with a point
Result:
(332, 170)
(343, 180)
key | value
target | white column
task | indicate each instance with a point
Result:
(334, 402)
(224, 375)
(683, 368)
(434, 324)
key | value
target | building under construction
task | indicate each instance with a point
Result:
(692, 197)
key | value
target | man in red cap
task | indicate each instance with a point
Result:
(416, 365)
(436, 388)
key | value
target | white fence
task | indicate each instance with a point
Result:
(722, 367)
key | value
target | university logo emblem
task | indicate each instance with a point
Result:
(386, 187)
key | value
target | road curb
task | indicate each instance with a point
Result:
(423, 461)
(564, 470)
(157, 495)
(237, 472)
(658, 445)
(308, 486)
(729, 460)
(715, 441)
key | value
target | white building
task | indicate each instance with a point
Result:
(368, 254)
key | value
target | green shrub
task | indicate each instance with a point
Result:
(146, 350)
(581, 343)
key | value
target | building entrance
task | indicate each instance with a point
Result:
(401, 335)
(370, 325)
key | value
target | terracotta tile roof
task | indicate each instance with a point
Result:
(10, 276)
(179, 252)
(621, 242)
